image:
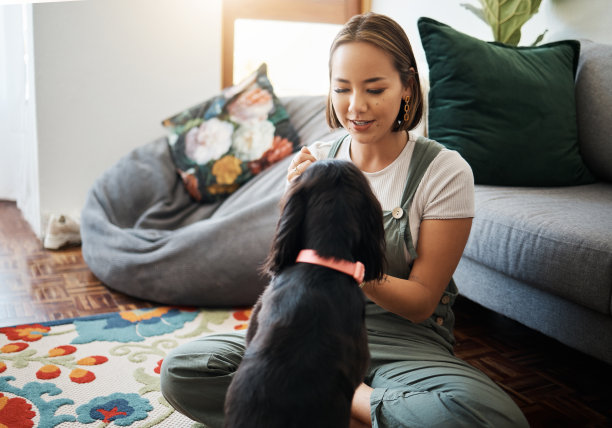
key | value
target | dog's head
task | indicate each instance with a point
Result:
(330, 208)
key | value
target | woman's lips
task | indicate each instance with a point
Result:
(361, 125)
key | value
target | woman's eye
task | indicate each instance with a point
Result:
(340, 90)
(376, 91)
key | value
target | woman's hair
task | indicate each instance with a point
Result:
(386, 34)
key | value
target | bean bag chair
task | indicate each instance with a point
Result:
(143, 235)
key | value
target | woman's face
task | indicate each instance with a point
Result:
(366, 91)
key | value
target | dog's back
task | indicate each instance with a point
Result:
(307, 346)
(307, 357)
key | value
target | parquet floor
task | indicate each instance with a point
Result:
(554, 385)
(41, 285)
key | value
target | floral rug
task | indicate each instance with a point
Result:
(99, 371)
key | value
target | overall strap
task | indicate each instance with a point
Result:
(336, 146)
(425, 151)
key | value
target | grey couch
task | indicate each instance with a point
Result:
(543, 256)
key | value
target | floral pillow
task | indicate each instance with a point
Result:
(222, 143)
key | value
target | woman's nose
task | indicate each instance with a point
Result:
(358, 103)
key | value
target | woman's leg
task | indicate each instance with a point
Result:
(195, 376)
(433, 388)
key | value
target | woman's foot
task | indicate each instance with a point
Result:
(358, 424)
(360, 409)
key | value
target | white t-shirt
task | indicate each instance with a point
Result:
(446, 190)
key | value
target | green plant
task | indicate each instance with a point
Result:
(506, 17)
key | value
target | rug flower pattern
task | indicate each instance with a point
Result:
(99, 371)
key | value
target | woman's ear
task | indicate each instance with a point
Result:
(410, 86)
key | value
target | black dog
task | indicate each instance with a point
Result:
(307, 345)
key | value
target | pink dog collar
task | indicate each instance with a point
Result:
(356, 270)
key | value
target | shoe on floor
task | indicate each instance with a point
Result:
(62, 230)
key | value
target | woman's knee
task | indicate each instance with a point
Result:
(408, 407)
(487, 406)
(449, 393)
(210, 356)
(200, 372)
(477, 394)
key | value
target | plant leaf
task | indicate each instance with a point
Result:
(475, 10)
(506, 17)
(514, 38)
(539, 38)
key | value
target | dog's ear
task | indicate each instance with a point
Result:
(254, 322)
(371, 247)
(288, 237)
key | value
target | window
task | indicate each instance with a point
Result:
(291, 36)
(295, 52)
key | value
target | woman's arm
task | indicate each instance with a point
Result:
(439, 248)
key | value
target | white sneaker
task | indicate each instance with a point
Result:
(61, 230)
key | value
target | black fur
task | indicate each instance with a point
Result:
(307, 346)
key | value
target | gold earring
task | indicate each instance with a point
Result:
(406, 108)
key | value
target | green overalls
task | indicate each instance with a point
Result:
(417, 380)
(398, 239)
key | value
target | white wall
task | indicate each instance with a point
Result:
(589, 19)
(107, 73)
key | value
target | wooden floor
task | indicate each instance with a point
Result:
(555, 386)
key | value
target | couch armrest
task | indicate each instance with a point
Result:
(593, 107)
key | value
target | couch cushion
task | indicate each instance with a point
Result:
(593, 107)
(556, 239)
(510, 111)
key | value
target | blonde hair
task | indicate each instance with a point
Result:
(386, 34)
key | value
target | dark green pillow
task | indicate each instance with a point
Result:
(509, 111)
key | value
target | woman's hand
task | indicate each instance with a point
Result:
(302, 160)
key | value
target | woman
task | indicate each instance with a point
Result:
(427, 196)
